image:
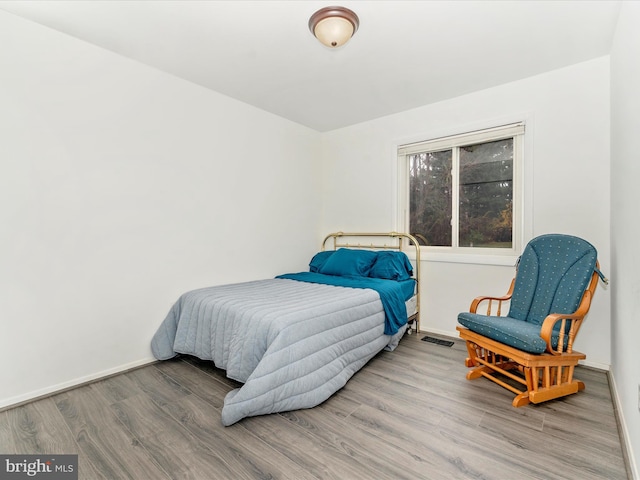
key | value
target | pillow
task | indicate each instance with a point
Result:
(349, 263)
(318, 260)
(392, 265)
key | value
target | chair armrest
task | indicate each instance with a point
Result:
(575, 321)
(478, 300)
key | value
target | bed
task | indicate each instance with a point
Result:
(296, 339)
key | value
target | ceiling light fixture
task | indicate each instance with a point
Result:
(334, 26)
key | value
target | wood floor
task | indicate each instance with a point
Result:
(408, 414)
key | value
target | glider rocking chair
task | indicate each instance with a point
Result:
(532, 345)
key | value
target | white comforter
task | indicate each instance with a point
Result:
(293, 344)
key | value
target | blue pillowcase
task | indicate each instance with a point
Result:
(318, 260)
(392, 265)
(388, 265)
(347, 262)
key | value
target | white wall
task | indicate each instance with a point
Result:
(625, 227)
(567, 114)
(120, 188)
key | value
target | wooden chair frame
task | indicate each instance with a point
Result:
(543, 377)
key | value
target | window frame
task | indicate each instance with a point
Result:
(457, 254)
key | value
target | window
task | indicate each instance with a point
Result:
(462, 194)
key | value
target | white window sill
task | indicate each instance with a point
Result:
(508, 260)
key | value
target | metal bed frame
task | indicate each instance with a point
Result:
(396, 242)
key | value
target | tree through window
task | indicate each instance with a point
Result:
(461, 188)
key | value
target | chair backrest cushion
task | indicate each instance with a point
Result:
(553, 273)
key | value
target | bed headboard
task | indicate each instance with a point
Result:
(381, 241)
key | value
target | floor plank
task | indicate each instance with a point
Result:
(312, 454)
(8, 443)
(170, 445)
(232, 443)
(408, 414)
(110, 448)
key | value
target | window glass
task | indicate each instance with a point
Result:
(430, 197)
(486, 195)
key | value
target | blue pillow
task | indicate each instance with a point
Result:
(318, 260)
(392, 265)
(349, 263)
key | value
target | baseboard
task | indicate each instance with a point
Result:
(598, 366)
(18, 400)
(632, 466)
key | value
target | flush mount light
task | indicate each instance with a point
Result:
(334, 26)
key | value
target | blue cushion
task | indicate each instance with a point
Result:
(392, 265)
(519, 334)
(349, 263)
(553, 273)
(318, 260)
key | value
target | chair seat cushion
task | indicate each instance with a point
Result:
(518, 334)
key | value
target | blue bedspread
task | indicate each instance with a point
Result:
(393, 294)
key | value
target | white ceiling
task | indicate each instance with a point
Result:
(405, 54)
